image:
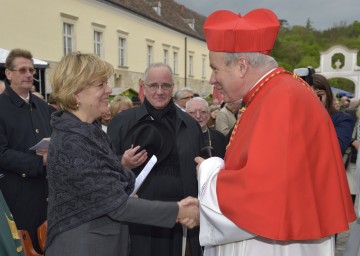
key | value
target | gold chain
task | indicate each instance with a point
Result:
(243, 109)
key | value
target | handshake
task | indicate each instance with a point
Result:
(189, 214)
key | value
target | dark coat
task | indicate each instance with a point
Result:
(188, 144)
(344, 125)
(109, 235)
(24, 186)
(218, 142)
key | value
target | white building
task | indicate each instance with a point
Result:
(130, 34)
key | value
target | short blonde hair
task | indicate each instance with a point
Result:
(75, 72)
(119, 101)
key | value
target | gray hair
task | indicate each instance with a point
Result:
(255, 59)
(199, 99)
(178, 93)
(159, 65)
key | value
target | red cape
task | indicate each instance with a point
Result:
(284, 177)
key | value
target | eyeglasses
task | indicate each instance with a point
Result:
(24, 70)
(155, 86)
(187, 98)
(201, 112)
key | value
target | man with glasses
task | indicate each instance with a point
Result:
(182, 96)
(24, 121)
(215, 141)
(172, 178)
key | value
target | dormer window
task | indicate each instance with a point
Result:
(157, 8)
(190, 22)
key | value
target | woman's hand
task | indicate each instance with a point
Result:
(189, 214)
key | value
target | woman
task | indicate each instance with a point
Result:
(89, 201)
(214, 110)
(343, 122)
(119, 104)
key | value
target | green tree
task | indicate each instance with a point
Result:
(300, 46)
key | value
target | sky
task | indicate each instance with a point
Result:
(323, 14)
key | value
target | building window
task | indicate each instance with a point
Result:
(203, 67)
(149, 55)
(98, 44)
(175, 63)
(166, 56)
(191, 65)
(122, 52)
(68, 30)
(69, 35)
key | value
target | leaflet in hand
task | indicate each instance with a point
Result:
(144, 173)
(42, 144)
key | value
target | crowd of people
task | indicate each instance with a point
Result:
(266, 172)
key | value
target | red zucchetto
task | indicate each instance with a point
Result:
(256, 31)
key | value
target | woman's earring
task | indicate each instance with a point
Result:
(77, 105)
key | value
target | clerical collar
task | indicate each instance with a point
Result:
(27, 98)
(262, 78)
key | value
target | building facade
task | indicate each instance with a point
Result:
(129, 34)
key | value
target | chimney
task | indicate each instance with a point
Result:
(182, 8)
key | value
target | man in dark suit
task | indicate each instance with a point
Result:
(24, 121)
(173, 177)
(215, 141)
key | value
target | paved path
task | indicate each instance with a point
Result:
(342, 238)
(341, 242)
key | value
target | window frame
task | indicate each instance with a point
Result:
(70, 21)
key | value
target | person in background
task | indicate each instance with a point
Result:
(352, 247)
(173, 177)
(38, 94)
(214, 110)
(226, 118)
(336, 104)
(2, 86)
(135, 101)
(216, 102)
(344, 102)
(281, 188)
(182, 96)
(353, 243)
(119, 103)
(89, 203)
(342, 121)
(52, 102)
(24, 121)
(105, 119)
(215, 141)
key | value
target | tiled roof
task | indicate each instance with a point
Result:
(173, 15)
